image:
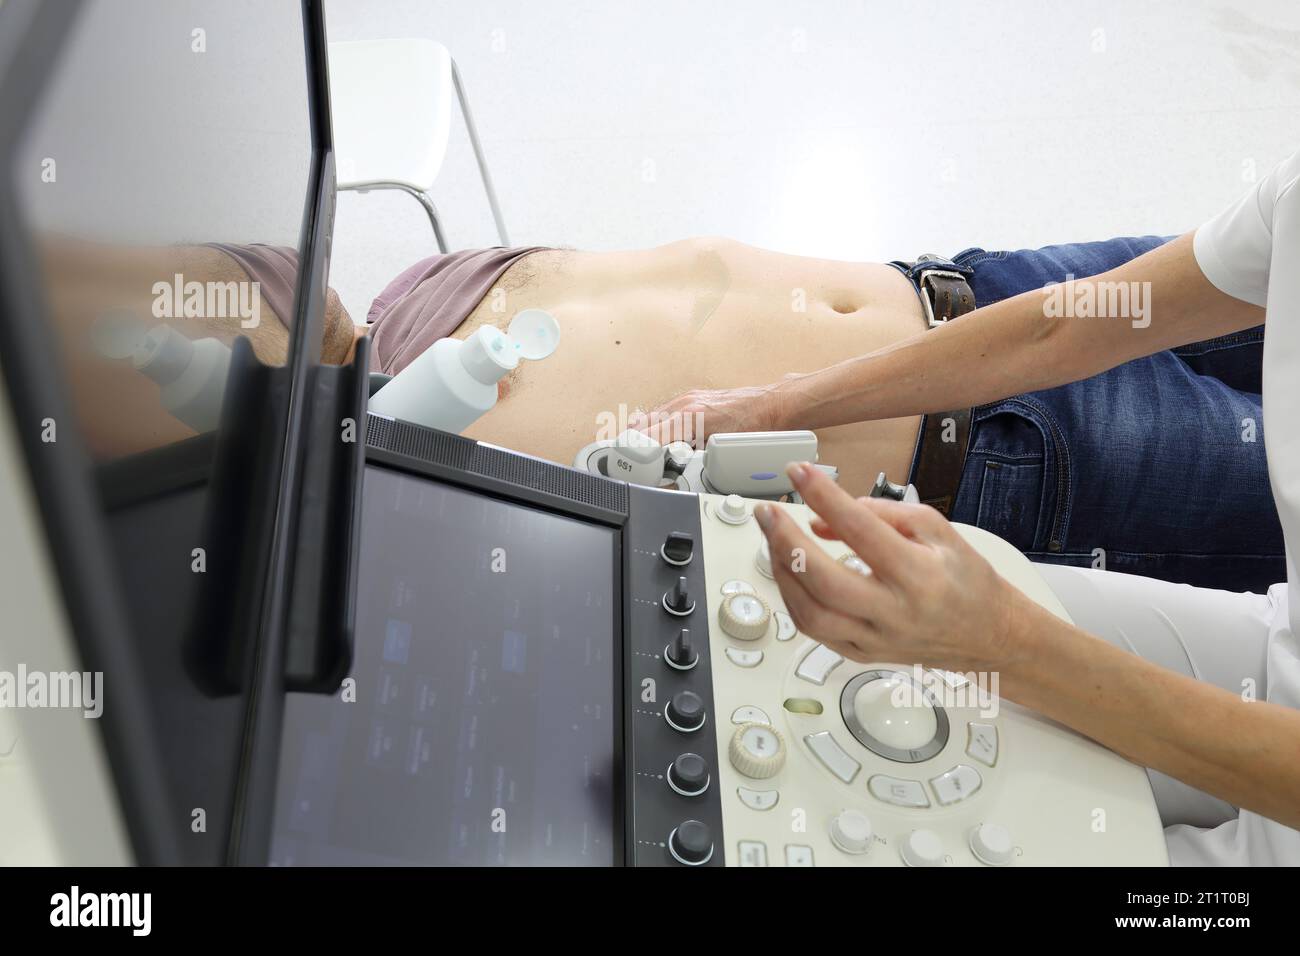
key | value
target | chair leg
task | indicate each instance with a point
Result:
(434, 220)
(424, 199)
(478, 154)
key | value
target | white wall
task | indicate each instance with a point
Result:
(861, 130)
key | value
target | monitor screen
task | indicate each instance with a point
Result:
(478, 724)
(161, 182)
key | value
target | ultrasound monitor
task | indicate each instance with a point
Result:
(479, 724)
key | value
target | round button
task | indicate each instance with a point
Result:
(991, 844)
(907, 727)
(757, 751)
(685, 712)
(733, 509)
(851, 832)
(744, 616)
(689, 775)
(763, 560)
(691, 843)
(923, 848)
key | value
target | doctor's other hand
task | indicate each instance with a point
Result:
(930, 598)
(695, 415)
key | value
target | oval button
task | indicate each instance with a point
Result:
(744, 658)
(749, 714)
(758, 799)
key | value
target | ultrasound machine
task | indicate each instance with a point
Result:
(333, 638)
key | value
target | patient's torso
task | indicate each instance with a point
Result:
(638, 328)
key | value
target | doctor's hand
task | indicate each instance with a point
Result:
(931, 599)
(697, 414)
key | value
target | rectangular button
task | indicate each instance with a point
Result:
(983, 743)
(753, 853)
(957, 784)
(817, 664)
(901, 793)
(796, 855)
(833, 756)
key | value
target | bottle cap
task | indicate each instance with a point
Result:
(534, 334)
(164, 354)
(488, 354)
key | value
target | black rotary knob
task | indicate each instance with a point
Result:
(678, 600)
(681, 653)
(678, 548)
(685, 712)
(691, 843)
(689, 775)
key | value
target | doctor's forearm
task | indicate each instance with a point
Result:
(1003, 349)
(1021, 344)
(1247, 753)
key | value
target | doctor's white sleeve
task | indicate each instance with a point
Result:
(1234, 248)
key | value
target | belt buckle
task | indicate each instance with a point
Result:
(931, 321)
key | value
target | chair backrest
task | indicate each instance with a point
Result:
(391, 102)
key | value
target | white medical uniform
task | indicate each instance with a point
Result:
(1242, 642)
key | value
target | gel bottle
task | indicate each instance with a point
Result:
(453, 382)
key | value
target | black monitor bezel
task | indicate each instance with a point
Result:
(69, 502)
(67, 499)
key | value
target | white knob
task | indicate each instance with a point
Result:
(734, 510)
(744, 616)
(763, 560)
(904, 725)
(991, 844)
(923, 848)
(757, 751)
(851, 832)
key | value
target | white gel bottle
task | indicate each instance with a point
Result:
(453, 382)
(190, 373)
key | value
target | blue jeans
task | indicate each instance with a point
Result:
(1155, 467)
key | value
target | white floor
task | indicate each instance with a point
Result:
(856, 129)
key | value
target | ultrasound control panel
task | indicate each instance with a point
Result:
(754, 745)
(828, 762)
(554, 668)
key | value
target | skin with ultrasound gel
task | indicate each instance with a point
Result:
(452, 383)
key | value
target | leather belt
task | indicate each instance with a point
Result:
(944, 437)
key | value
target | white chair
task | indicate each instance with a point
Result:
(391, 108)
